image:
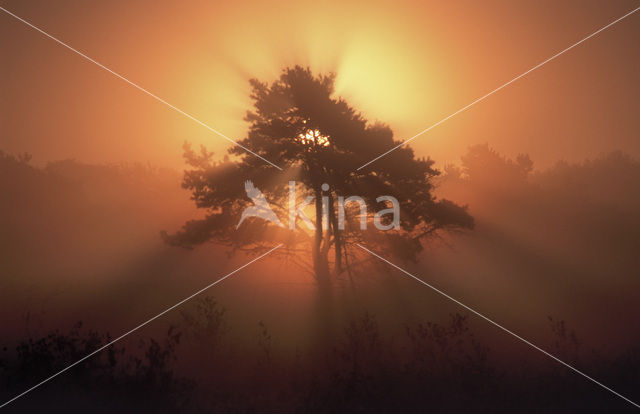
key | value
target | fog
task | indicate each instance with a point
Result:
(82, 242)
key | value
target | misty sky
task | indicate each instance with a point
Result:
(408, 64)
(87, 222)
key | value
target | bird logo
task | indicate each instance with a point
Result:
(260, 207)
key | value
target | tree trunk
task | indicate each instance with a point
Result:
(324, 305)
(320, 264)
(337, 237)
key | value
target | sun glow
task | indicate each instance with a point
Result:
(313, 137)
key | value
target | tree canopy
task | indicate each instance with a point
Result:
(316, 138)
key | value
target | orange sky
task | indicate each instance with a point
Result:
(409, 64)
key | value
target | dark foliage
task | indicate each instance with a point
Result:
(435, 367)
(298, 124)
(114, 380)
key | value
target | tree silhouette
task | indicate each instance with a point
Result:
(318, 140)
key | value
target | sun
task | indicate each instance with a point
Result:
(313, 137)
